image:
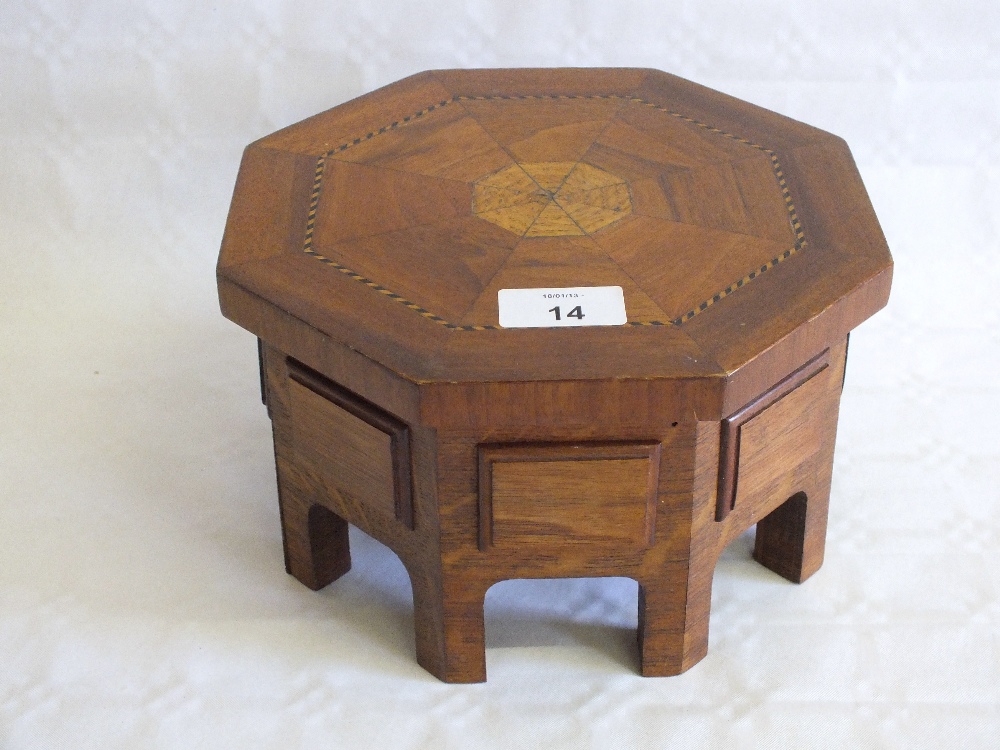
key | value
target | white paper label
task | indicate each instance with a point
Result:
(555, 308)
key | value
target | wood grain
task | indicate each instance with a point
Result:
(364, 449)
(773, 432)
(543, 129)
(698, 258)
(551, 199)
(366, 247)
(568, 493)
(739, 178)
(365, 201)
(561, 261)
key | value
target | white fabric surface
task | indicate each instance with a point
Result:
(143, 603)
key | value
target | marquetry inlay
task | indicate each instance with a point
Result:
(551, 199)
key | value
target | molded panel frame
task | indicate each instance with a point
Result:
(397, 430)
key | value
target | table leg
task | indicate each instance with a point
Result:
(673, 620)
(450, 628)
(316, 544)
(792, 538)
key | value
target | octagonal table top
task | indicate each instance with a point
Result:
(391, 223)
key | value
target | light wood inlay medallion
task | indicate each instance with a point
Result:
(551, 199)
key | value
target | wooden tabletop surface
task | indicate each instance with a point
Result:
(391, 222)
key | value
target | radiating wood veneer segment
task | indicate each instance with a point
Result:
(447, 144)
(560, 262)
(698, 258)
(545, 129)
(449, 285)
(361, 201)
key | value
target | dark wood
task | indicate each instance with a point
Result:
(366, 247)
(260, 368)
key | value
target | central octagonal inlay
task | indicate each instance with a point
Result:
(551, 199)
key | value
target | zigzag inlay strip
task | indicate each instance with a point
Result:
(793, 218)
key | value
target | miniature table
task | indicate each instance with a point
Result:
(367, 248)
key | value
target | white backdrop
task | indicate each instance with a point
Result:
(143, 603)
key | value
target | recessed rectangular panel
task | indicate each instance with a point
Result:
(359, 450)
(775, 432)
(566, 493)
(782, 437)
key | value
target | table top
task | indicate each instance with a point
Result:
(390, 224)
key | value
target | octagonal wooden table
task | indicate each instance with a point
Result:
(368, 248)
